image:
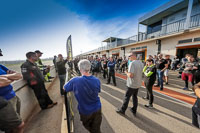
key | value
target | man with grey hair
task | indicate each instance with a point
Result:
(134, 82)
(86, 89)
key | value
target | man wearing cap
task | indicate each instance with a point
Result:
(33, 76)
(45, 69)
(9, 102)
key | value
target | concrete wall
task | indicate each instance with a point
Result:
(168, 44)
(27, 97)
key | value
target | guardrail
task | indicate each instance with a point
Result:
(69, 104)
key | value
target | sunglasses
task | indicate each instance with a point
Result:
(129, 55)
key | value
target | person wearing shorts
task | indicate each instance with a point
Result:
(166, 72)
(9, 102)
(187, 74)
(11, 122)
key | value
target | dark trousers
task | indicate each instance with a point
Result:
(149, 85)
(196, 113)
(62, 82)
(42, 95)
(92, 122)
(130, 92)
(105, 73)
(186, 82)
(111, 74)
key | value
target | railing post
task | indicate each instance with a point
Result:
(187, 22)
(179, 25)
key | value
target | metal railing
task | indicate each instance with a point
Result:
(69, 97)
(170, 28)
(176, 27)
(195, 21)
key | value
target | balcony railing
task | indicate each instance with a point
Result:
(195, 21)
(170, 28)
(176, 27)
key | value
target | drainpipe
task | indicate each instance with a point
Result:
(189, 11)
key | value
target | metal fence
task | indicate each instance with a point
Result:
(170, 28)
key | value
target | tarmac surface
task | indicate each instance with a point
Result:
(168, 115)
(49, 120)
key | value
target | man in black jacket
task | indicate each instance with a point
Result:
(34, 77)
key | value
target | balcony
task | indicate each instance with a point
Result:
(167, 29)
(176, 27)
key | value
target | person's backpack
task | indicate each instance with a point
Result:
(95, 65)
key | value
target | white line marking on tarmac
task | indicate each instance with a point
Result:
(189, 105)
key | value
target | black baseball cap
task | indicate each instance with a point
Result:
(38, 52)
(1, 53)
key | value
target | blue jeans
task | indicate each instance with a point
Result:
(160, 78)
(62, 82)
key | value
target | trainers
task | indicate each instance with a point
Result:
(179, 76)
(145, 98)
(148, 106)
(161, 89)
(50, 77)
(119, 111)
(133, 112)
(55, 103)
(185, 88)
(50, 106)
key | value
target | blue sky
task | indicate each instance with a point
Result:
(28, 25)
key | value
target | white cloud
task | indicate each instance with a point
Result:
(51, 37)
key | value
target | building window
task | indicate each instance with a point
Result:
(144, 47)
(132, 48)
(154, 27)
(184, 41)
(196, 39)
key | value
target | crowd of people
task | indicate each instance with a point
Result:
(87, 85)
(137, 71)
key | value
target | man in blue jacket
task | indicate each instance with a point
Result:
(111, 71)
(86, 89)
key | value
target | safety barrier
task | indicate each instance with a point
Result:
(69, 97)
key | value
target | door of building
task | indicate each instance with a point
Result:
(182, 52)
